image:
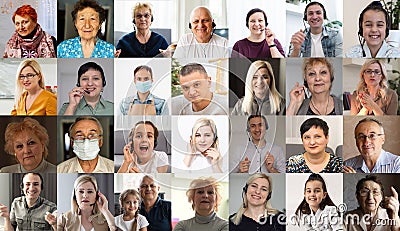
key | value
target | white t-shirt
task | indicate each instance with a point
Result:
(158, 159)
(188, 47)
(218, 106)
(127, 225)
(316, 45)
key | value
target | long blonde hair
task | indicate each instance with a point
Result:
(237, 218)
(383, 85)
(74, 204)
(18, 87)
(201, 123)
(274, 96)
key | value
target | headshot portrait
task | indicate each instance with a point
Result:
(30, 87)
(86, 87)
(325, 210)
(257, 29)
(371, 87)
(371, 197)
(154, 195)
(90, 196)
(142, 30)
(145, 87)
(187, 197)
(315, 140)
(29, 30)
(317, 32)
(29, 202)
(29, 144)
(254, 202)
(200, 144)
(317, 87)
(86, 144)
(257, 144)
(199, 87)
(143, 145)
(371, 33)
(368, 145)
(256, 87)
(87, 29)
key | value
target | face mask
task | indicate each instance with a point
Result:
(86, 150)
(144, 87)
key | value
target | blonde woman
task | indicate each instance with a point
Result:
(30, 95)
(203, 153)
(205, 197)
(89, 208)
(256, 212)
(261, 95)
(373, 96)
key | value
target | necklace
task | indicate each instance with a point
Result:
(144, 36)
(326, 109)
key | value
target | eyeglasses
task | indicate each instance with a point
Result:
(371, 136)
(28, 76)
(139, 16)
(370, 72)
(145, 186)
(81, 138)
(366, 192)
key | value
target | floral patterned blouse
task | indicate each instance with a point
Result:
(297, 164)
(72, 48)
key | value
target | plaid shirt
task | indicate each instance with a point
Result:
(332, 43)
(29, 219)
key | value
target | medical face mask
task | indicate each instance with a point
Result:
(86, 150)
(144, 87)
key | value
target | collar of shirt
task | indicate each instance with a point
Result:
(83, 103)
(147, 100)
(37, 203)
(100, 166)
(382, 160)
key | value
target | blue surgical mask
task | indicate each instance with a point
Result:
(144, 87)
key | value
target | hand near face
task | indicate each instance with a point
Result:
(75, 95)
(213, 154)
(298, 39)
(269, 161)
(244, 165)
(51, 218)
(128, 156)
(367, 101)
(117, 53)
(297, 94)
(269, 36)
(392, 204)
(102, 203)
(4, 211)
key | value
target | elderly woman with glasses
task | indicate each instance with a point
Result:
(373, 96)
(142, 42)
(30, 95)
(375, 211)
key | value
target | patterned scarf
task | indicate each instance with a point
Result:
(39, 46)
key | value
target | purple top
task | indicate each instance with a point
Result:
(249, 49)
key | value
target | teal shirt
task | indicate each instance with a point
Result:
(103, 107)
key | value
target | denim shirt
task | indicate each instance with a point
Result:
(160, 104)
(332, 43)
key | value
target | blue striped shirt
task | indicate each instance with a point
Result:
(387, 163)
